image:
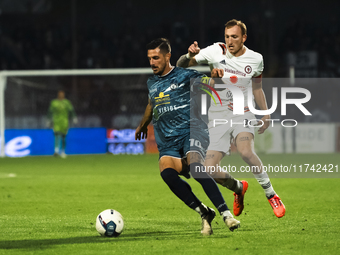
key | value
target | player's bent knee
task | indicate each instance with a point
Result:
(169, 175)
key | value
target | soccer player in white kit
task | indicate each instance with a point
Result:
(241, 67)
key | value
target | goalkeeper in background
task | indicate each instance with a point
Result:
(59, 112)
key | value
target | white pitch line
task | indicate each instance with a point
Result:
(8, 175)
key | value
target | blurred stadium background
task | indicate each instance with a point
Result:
(111, 36)
(49, 205)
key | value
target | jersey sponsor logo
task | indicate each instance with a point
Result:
(161, 95)
(248, 69)
(162, 99)
(234, 72)
(157, 112)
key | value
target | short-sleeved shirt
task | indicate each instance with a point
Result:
(238, 71)
(174, 113)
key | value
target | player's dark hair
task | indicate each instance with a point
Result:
(239, 23)
(162, 43)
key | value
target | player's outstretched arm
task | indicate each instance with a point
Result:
(189, 58)
(142, 129)
(217, 75)
(260, 100)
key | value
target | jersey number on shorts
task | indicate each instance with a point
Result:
(194, 142)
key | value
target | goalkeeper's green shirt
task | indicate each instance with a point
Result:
(59, 112)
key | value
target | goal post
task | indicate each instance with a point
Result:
(6, 75)
(2, 114)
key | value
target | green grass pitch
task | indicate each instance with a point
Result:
(49, 206)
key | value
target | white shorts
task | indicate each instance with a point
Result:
(223, 129)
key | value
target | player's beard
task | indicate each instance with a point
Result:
(160, 70)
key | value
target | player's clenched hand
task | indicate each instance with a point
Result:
(217, 73)
(265, 124)
(193, 49)
(141, 133)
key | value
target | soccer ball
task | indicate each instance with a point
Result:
(110, 223)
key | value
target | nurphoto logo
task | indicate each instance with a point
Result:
(238, 103)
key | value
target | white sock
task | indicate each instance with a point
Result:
(227, 214)
(265, 183)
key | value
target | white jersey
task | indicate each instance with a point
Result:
(238, 71)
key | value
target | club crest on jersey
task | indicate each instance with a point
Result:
(173, 86)
(248, 69)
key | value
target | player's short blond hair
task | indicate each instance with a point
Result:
(239, 23)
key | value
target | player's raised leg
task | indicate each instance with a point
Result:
(197, 170)
(245, 146)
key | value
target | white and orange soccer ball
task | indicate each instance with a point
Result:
(110, 223)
